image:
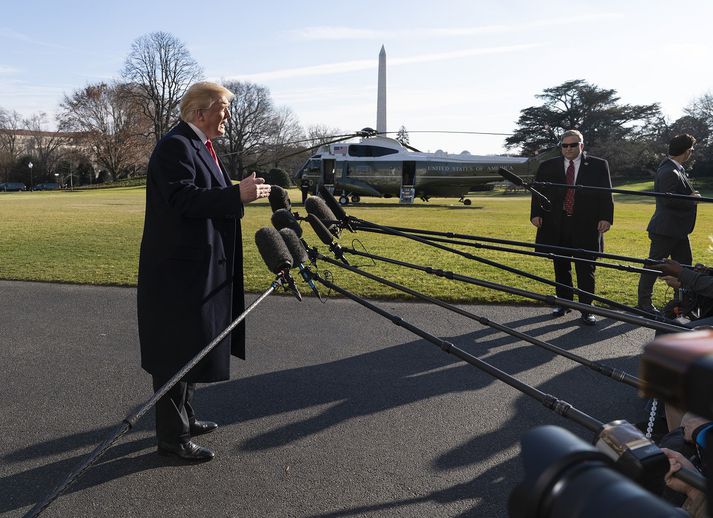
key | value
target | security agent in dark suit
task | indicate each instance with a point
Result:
(190, 284)
(673, 219)
(578, 218)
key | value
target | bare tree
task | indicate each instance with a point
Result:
(10, 124)
(701, 109)
(249, 128)
(161, 69)
(107, 120)
(287, 134)
(45, 146)
(318, 134)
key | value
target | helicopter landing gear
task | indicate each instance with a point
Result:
(425, 198)
(356, 198)
(465, 201)
(343, 200)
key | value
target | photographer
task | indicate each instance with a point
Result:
(695, 503)
(685, 446)
(697, 300)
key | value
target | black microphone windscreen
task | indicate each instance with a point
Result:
(318, 207)
(283, 218)
(510, 177)
(278, 198)
(294, 245)
(322, 232)
(273, 249)
(332, 203)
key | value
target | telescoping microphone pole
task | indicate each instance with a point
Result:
(544, 255)
(365, 226)
(517, 271)
(611, 372)
(347, 221)
(515, 179)
(551, 300)
(334, 214)
(560, 407)
(634, 455)
(130, 421)
(667, 195)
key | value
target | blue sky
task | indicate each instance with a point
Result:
(451, 65)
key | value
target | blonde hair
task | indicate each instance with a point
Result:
(201, 96)
(572, 133)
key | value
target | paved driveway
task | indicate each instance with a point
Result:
(336, 412)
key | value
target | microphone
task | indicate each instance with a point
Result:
(325, 236)
(318, 207)
(283, 218)
(276, 255)
(299, 257)
(337, 209)
(278, 198)
(516, 180)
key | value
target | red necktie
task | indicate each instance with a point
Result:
(569, 196)
(209, 145)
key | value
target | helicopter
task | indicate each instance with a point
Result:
(384, 167)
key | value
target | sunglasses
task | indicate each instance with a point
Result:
(573, 144)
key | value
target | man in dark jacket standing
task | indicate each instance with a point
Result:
(190, 284)
(577, 218)
(673, 219)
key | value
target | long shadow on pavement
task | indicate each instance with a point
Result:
(356, 386)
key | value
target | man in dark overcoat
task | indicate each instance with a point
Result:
(190, 284)
(674, 219)
(577, 218)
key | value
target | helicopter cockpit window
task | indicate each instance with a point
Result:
(364, 150)
(313, 166)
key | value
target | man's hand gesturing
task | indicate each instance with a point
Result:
(252, 188)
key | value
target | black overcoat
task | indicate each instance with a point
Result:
(190, 284)
(590, 207)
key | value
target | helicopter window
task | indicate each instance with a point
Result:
(313, 166)
(363, 150)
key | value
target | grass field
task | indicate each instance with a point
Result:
(92, 237)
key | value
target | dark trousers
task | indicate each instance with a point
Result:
(679, 249)
(174, 412)
(563, 267)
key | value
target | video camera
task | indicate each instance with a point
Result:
(565, 476)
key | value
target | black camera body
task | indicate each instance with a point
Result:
(565, 476)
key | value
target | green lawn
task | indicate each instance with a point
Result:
(92, 237)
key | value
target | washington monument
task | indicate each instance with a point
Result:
(381, 95)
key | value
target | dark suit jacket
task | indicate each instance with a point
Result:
(672, 218)
(190, 284)
(590, 207)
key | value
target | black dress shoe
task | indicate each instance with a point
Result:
(189, 451)
(588, 319)
(202, 427)
(560, 311)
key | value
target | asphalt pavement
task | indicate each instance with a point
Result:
(337, 412)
